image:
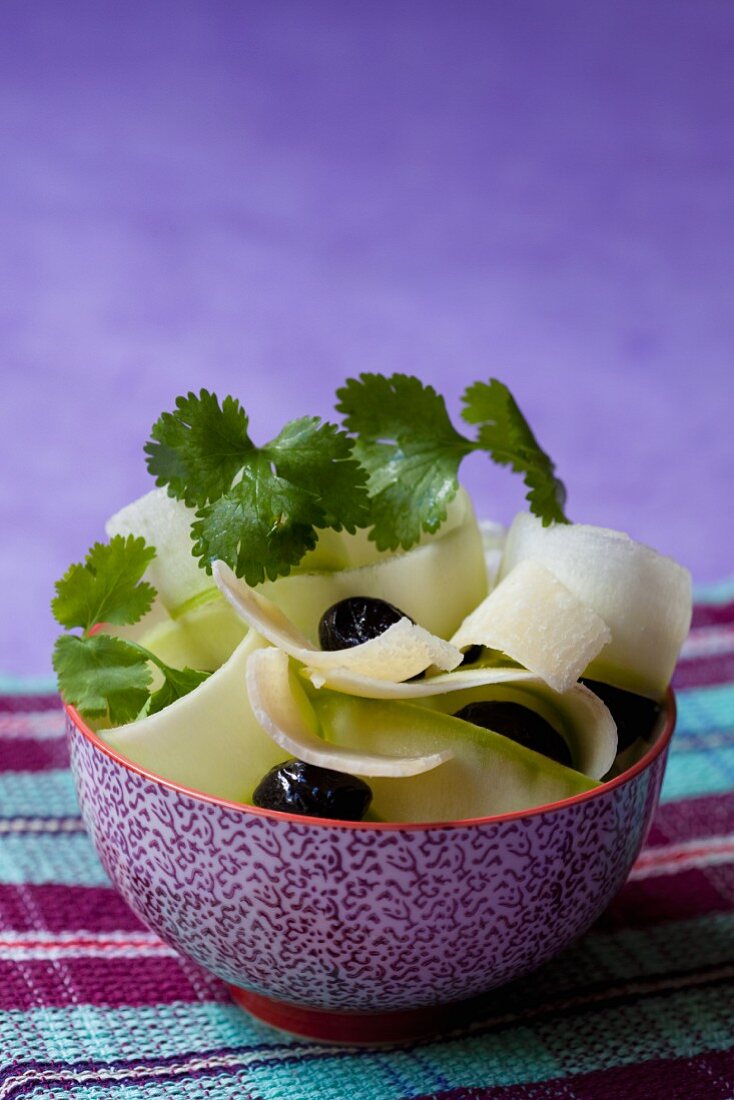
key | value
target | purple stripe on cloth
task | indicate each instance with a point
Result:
(716, 668)
(60, 908)
(104, 981)
(26, 704)
(28, 754)
(693, 818)
(661, 899)
(712, 615)
(703, 1077)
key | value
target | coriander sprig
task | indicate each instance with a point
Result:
(506, 436)
(406, 441)
(394, 470)
(104, 676)
(259, 509)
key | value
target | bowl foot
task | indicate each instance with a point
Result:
(354, 1028)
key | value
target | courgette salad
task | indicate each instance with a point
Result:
(320, 625)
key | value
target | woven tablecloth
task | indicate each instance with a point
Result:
(94, 1006)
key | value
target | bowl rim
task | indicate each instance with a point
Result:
(657, 748)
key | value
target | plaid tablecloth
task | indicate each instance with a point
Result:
(94, 1006)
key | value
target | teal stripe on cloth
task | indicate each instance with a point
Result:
(37, 859)
(701, 757)
(38, 794)
(680, 1025)
(27, 685)
(87, 1031)
(691, 774)
(705, 709)
(626, 953)
(365, 1075)
(715, 592)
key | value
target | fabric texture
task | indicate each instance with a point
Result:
(93, 1005)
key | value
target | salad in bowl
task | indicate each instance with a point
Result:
(310, 655)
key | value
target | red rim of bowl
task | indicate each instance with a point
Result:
(659, 745)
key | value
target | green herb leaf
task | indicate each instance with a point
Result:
(505, 434)
(317, 458)
(261, 528)
(102, 675)
(176, 684)
(259, 508)
(198, 450)
(107, 587)
(410, 449)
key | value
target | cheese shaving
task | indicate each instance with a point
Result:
(535, 620)
(404, 650)
(366, 687)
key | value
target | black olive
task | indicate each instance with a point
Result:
(472, 654)
(298, 788)
(355, 620)
(635, 715)
(520, 724)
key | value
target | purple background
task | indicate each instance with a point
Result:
(265, 197)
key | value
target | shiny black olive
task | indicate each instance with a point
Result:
(520, 724)
(635, 715)
(298, 788)
(355, 620)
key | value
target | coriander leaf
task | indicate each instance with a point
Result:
(410, 449)
(102, 675)
(198, 450)
(107, 587)
(317, 457)
(261, 528)
(176, 683)
(505, 434)
(258, 508)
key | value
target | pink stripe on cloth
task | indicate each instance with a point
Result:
(26, 704)
(717, 668)
(25, 946)
(104, 980)
(693, 818)
(58, 908)
(712, 615)
(646, 902)
(29, 754)
(671, 858)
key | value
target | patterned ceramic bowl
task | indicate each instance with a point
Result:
(360, 932)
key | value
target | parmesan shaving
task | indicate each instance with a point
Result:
(642, 596)
(535, 620)
(404, 650)
(366, 687)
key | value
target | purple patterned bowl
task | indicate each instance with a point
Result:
(360, 932)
